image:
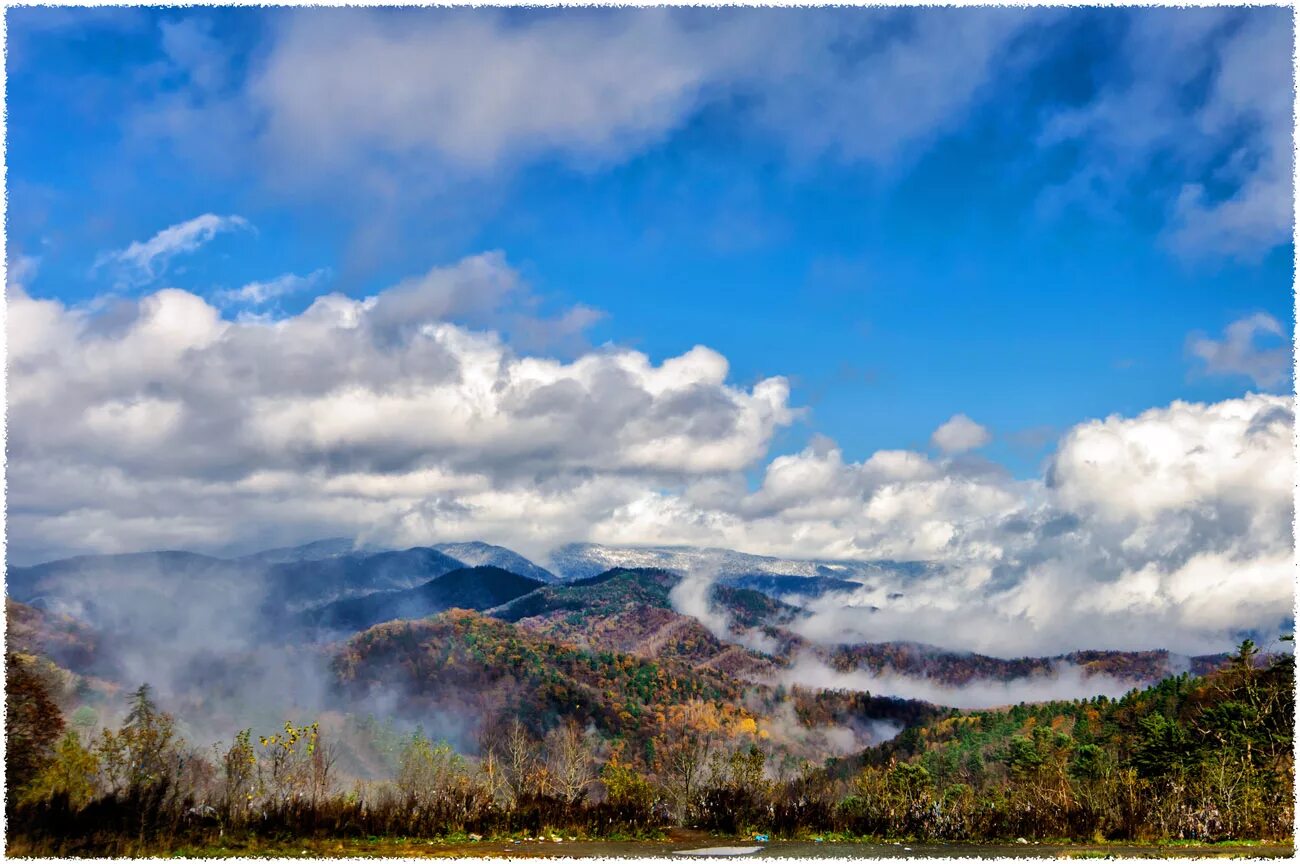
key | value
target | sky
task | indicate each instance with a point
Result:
(1009, 290)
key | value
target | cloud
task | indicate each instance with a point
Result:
(1239, 353)
(1065, 681)
(405, 106)
(21, 269)
(143, 262)
(160, 424)
(178, 427)
(477, 89)
(438, 94)
(191, 47)
(261, 293)
(1201, 98)
(1170, 529)
(960, 434)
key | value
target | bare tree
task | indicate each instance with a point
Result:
(686, 757)
(520, 757)
(570, 758)
(323, 756)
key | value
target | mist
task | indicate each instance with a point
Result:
(1065, 682)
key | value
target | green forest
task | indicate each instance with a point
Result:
(1205, 758)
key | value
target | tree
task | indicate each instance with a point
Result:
(32, 724)
(238, 775)
(145, 755)
(570, 759)
(519, 758)
(70, 772)
(428, 771)
(685, 755)
(285, 770)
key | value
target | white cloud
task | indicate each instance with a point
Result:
(144, 261)
(1206, 95)
(1238, 352)
(960, 434)
(420, 102)
(1170, 529)
(21, 269)
(473, 88)
(261, 293)
(377, 412)
(441, 93)
(1062, 682)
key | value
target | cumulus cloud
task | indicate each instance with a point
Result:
(1170, 529)
(159, 422)
(1239, 351)
(144, 261)
(960, 434)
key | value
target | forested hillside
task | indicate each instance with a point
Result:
(1191, 758)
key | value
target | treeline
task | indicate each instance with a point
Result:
(1208, 759)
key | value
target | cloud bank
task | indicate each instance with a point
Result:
(408, 418)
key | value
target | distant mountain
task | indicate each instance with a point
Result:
(33, 584)
(958, 669)
(305, 584)
(142, 601)
(580, 560)
(466, 588)
(479, 554)
(798, 587)
(279, 582)
(314, 551)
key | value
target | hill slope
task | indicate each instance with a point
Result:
(464, 588)
(485, 670)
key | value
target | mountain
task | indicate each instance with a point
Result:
(139, 605)
(479, 554)
(314, 551)
(42, 584)
(465, 664)
(63, 639)
(471, 554)
(301, 585)
(631, 611)
(466, 588)
(799, 588)
(958, 669)
(580, 560)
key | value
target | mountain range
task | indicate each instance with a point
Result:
(315, 574)
(430, 635)
(598, 597)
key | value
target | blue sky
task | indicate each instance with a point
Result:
(952, 276)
